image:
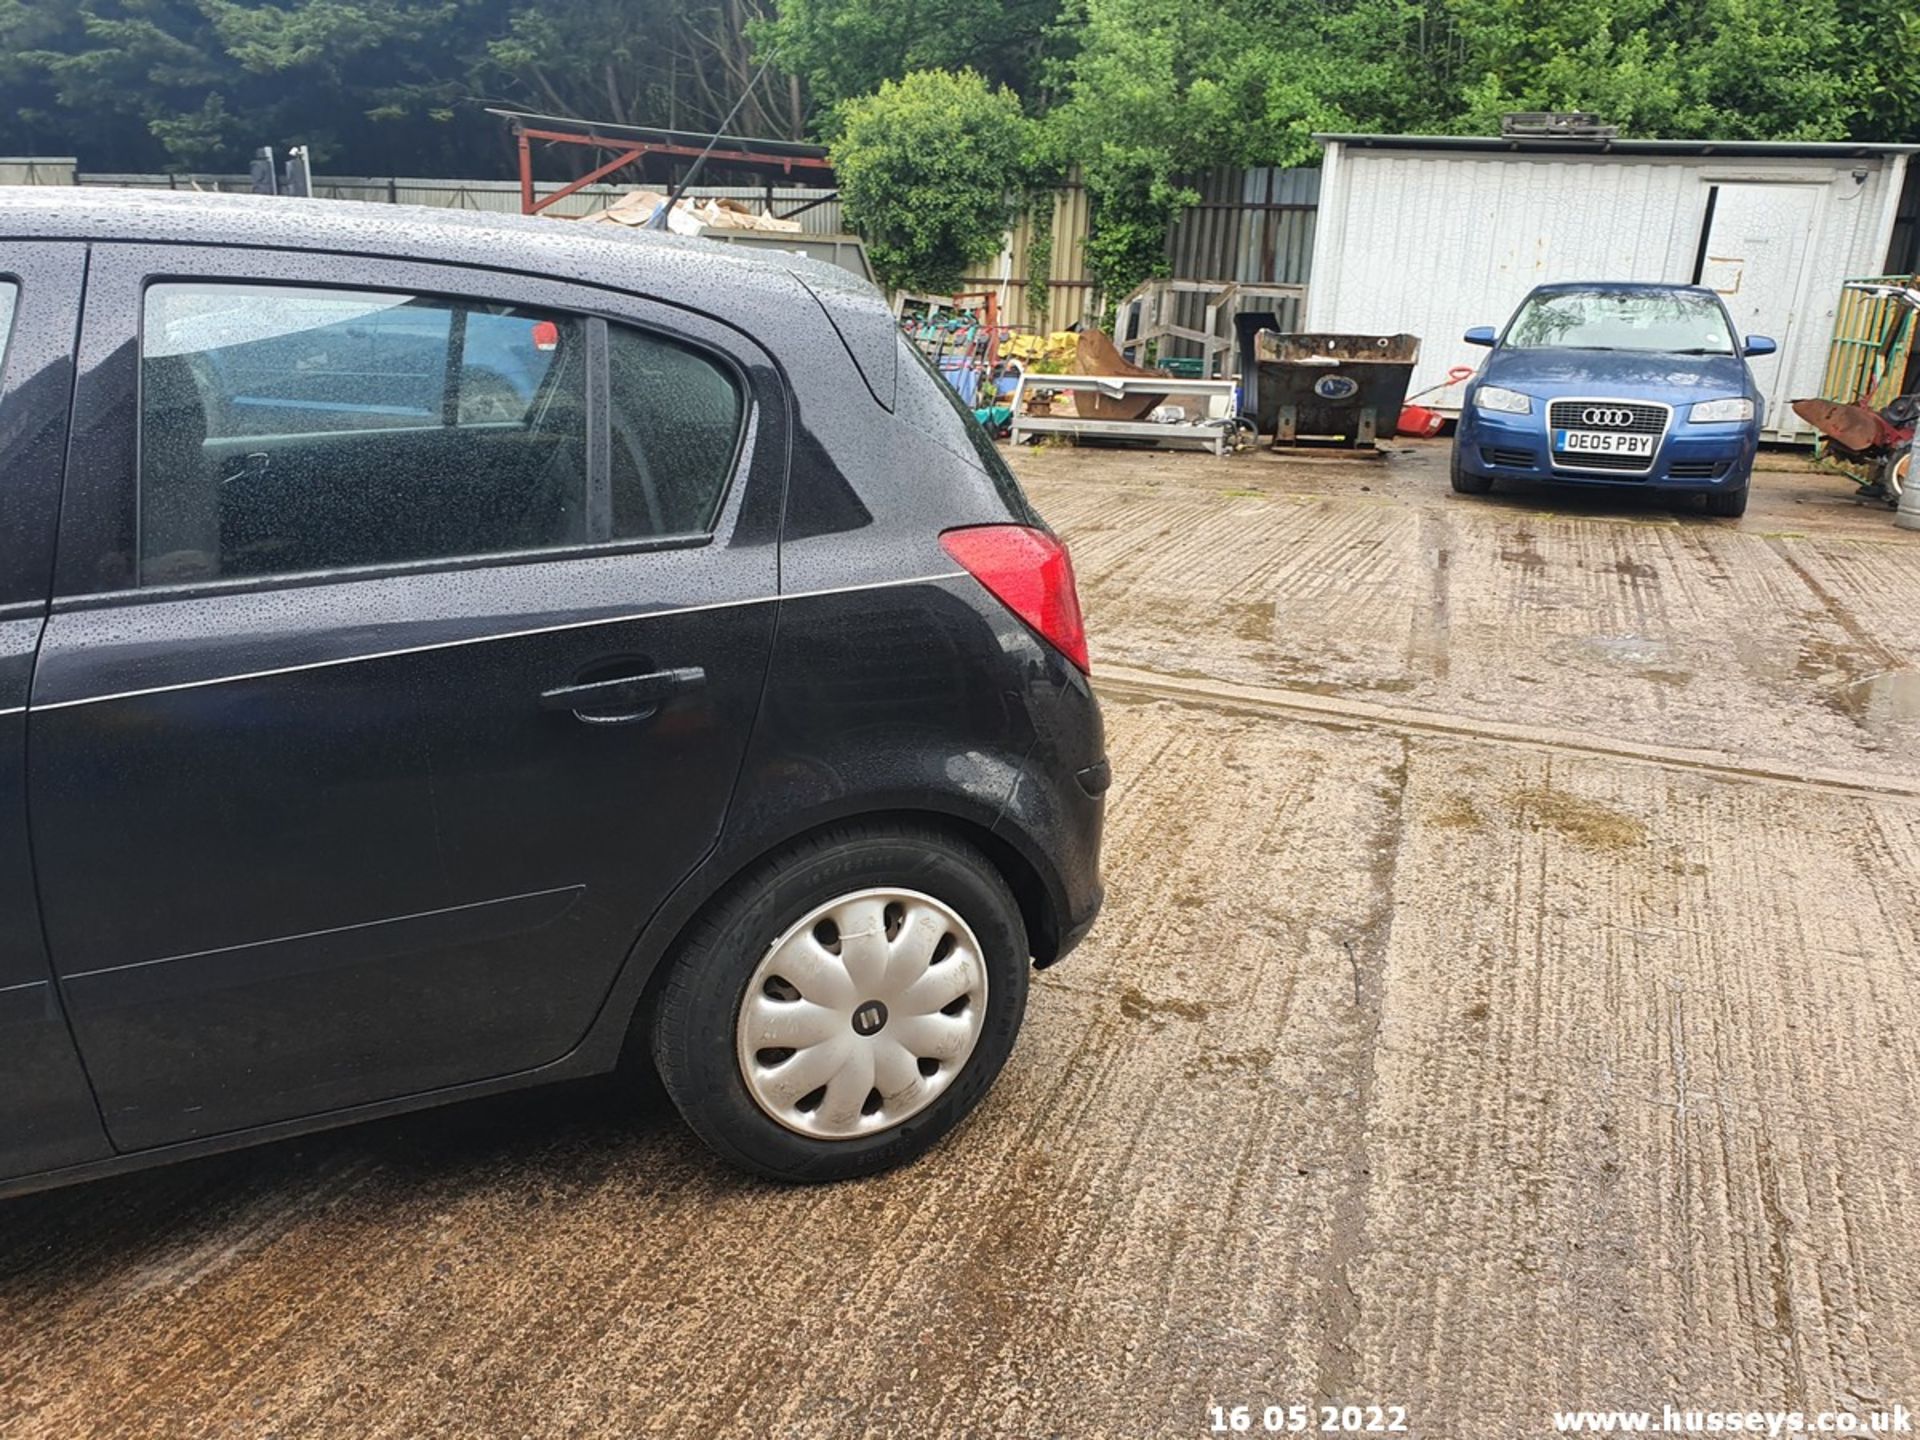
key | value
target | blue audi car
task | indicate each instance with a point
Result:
(1615, 384)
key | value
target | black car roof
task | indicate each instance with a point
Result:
(733, 283)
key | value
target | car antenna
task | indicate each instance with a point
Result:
(658, 220)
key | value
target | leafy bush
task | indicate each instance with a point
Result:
(929, 166)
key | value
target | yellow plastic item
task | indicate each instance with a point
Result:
(1031, 350)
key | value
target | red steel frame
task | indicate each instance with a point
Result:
(631, 151)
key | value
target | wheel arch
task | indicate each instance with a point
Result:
(1038, 911)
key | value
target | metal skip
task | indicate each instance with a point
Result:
(1346, 388)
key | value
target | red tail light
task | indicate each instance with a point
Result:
(1029, 572)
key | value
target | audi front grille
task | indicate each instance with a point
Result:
(1626, 415)
(1621, 417)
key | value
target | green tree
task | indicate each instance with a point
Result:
(1739, 69)
(1141, 95)
(677, 63)
(841, 49)
(1160, 90)
(362, 76)
(148, 76)
(373, 85)
(197, 84)
(928, 168)
(1884, 36)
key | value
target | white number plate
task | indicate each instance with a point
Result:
(1601, 442)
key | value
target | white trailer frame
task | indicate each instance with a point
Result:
(1215, 435)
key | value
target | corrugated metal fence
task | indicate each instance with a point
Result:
(1250, 225)
(1255, 226)
(1069, 289)
(57, 170)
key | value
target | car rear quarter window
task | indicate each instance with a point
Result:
(675, 417)
(288, 429)
(9, 299)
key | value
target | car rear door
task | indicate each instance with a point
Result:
(375, 716)
(47, 1114)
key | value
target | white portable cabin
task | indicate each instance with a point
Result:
(1432, 234)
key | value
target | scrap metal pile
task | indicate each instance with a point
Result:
(690, 215)
(1878, 438)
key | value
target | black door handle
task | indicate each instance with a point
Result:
(623, 699)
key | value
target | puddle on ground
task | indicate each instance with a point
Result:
(1884, 704)
(1524, 553)
(1632, 649)
(1827, 662)
(1135, 1005)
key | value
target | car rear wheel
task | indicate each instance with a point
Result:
(1465, 482)
(1729, 503)
(845, 1005)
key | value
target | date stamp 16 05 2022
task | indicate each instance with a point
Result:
(1303, 1419)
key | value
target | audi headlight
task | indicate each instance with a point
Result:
(1708, 410)
(1506, 402)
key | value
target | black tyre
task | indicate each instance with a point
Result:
(1728, 503)
(1463, 482)
(845, 1004)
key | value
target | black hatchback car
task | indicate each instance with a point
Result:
(442, 655)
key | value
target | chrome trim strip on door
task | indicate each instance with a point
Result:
(571, 893)
(487, 639)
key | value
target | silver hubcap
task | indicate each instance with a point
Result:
(862, 1014)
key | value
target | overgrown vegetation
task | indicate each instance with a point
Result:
(1039, 257)
(1138, 94)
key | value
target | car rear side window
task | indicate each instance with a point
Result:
(289, 429)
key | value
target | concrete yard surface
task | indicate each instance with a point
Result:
(1508, 1001)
